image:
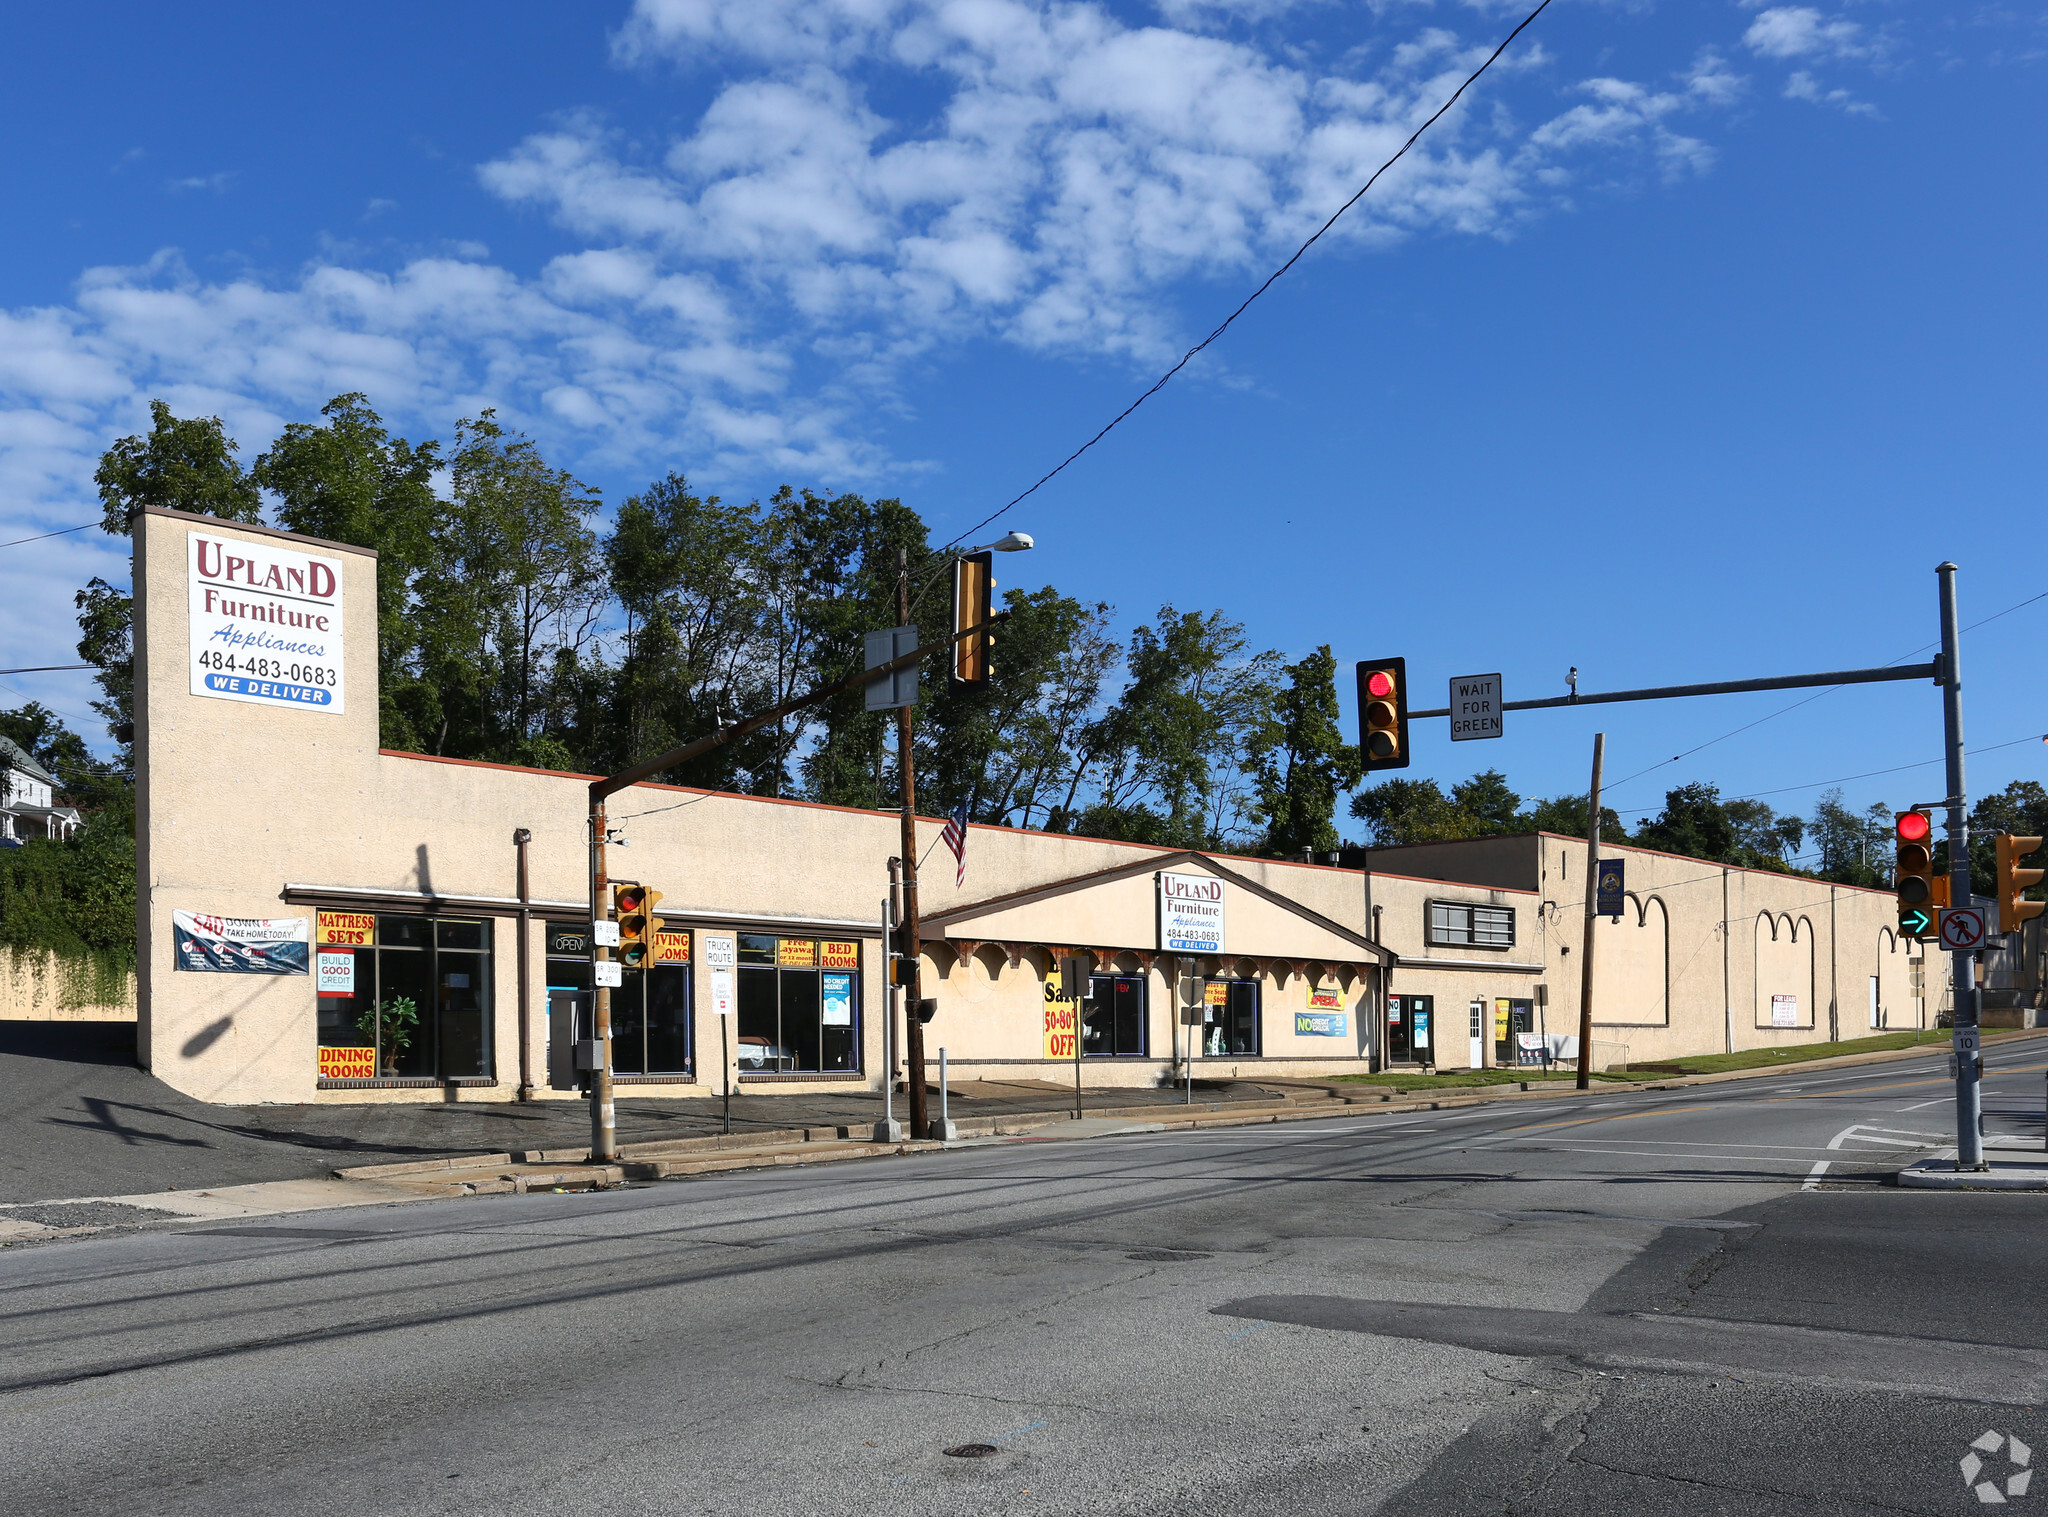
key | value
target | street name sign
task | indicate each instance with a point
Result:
(1962, 927)
(1475, 707)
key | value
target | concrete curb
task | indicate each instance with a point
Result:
(679, 1158)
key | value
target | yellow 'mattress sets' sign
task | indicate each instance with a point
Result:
(356, 929)
(348, 1063)
(671, 948)
(1059, 1018)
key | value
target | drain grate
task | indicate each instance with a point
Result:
(1165, 1256)
(972, 1451)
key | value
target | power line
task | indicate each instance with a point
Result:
(40, 536)
(1772, 716)
(1845, 779)
(1188, 356)
(46, 668)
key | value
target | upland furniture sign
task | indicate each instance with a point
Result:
(240, 945)
(1059, 1016)
(1190, 913)
(266, 624)
(1325, 1017)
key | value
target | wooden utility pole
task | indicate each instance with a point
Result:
(1585, 1080)
(604, 1130)
(907, 934)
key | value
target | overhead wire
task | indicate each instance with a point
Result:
(1224, 326)
(41, 535)
(1809, 700)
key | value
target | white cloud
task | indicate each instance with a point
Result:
(1803, 86)
(870, 181)
(1800, 31)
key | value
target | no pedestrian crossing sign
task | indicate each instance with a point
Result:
(1962, 927)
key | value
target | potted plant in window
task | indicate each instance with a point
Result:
(390, 1026)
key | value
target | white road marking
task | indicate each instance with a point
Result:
(1937, 1101)
(1813, 1179)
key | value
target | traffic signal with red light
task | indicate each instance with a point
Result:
(634, 907)
(974, 589)
(1383, 714)
(1916, 883)
(2013, 881)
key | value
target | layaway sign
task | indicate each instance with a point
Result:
(265, 624)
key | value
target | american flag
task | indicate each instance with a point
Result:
(955, 838)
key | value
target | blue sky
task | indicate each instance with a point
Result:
(1683, 350)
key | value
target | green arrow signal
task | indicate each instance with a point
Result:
(1916, 921)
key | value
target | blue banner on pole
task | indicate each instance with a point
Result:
(1607, 899)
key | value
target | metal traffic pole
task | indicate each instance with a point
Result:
(1962, 961)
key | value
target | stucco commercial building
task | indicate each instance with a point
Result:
(323, 920)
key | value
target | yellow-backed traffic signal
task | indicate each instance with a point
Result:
(974, 590)
(634, 905)
(1383, 713)
(2013, 881)
(1915, 880)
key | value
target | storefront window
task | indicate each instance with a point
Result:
(1113, 1024)
(798, 1005)
(403, 997)
(1230, 1019)
(650, 1007)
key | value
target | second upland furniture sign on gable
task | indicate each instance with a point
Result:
(265, 622)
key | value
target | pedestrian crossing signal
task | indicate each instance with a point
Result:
(1383, 714)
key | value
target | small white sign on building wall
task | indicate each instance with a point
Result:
(1190, 913)
(266, 624)
(1784, 1011)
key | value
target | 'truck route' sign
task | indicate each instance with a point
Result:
(265, 624)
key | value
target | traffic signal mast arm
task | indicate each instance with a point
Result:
(599, 789)
(1927, 671)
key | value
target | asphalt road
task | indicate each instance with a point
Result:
(1633, 1303)
(77, 1118)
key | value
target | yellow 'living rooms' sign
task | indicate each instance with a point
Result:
(1059, 1018)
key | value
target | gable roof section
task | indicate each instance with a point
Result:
(1148, 865)
(16, 757)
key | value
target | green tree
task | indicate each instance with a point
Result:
(1398, 811)
(350, 481)
(1487, 800)
(1304, 761)
(2020, 809)
(44, 738)
(1004, 749)
(1693, 823)
(509, 605)
(1855, 848)
(1566, 815)
(1171, 757)
(184, 464)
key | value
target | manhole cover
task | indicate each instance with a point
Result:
(973, 1451)
(1164, 1256)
